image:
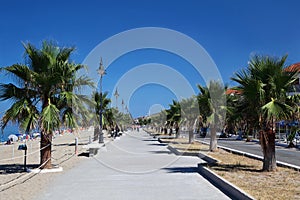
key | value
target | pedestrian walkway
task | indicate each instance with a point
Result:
(133, 167)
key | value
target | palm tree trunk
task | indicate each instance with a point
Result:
(177, 132)
(96, 133)
(171, 130)
(191, 135)
(46, 142)
(213, 139)
(267, 141)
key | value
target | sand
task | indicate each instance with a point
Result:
(16, 184)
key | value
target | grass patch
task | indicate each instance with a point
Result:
(246, 173)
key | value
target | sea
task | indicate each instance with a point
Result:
(10, 129)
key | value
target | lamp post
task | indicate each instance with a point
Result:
(123, 105)
(116, 95)
(101, 72)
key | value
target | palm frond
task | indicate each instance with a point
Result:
(50, 117)
(277, 110)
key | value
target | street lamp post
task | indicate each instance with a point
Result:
(101, 72)
(116, 95)
(123, 105)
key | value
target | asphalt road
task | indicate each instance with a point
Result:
(283, 154)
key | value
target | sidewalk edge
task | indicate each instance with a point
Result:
(226, 187)
(223, 185)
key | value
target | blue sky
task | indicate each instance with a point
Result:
(229, 30)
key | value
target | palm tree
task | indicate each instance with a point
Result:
(190, 115)
(233, 116)
(173, 116)
(240, 114)
(109, 117)
(158, 120)
(45, 93)
(212, 106)
(105, 103)
(121, 119)
(264, 86)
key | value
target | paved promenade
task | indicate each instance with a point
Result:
(133, 167)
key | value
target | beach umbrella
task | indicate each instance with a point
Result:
(13, 137)
(36, 134)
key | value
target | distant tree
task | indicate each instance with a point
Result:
(158, 120)
(212, 106)
(173, 116)
(190, 115)
(123, 119)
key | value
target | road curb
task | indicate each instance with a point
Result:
(253, 156)
(226, 187)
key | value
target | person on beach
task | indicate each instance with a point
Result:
(8, 142)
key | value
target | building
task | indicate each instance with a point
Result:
(296, 85)
(232, 92)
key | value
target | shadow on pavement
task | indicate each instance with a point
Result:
(157, 144)
(150, 140)
(181, 169)
(161, 152)
(84, 154)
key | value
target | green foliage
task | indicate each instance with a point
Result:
(50, 117)
(159, 119)
(264, 88)
(46, 89)
(144, 120)
(174, 113)
(212, 103)
(105, 103)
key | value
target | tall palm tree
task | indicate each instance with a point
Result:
(232, 115)
(190, 115)
(212, 106)
(124, 120)
(264, 86)
(173, 115)
(240, 114)
(109, 117)
(105, 103)
(158, 120)
(44, 94)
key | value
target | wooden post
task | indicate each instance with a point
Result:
(13, 152)
(25, 158)
(76, 145)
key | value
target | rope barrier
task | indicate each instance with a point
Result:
(24, 155)
(72, 155)
(24, 176)
(20, 177)
(38, 168)
(36, 151)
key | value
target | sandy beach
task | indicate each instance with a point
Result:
(16, 184)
